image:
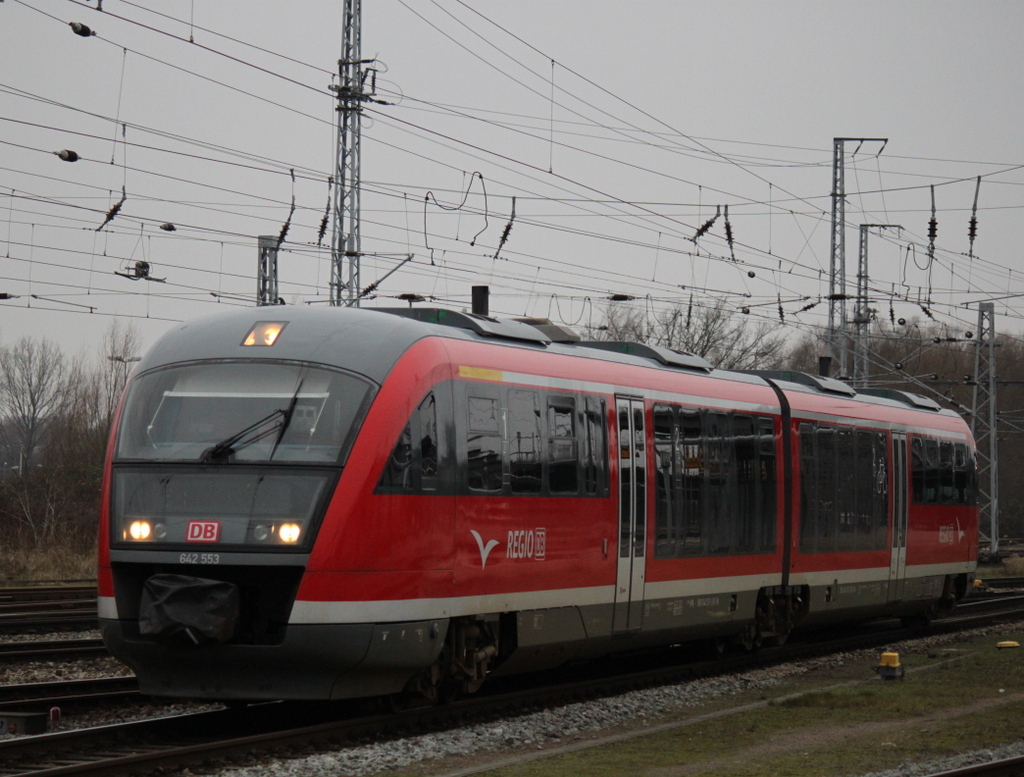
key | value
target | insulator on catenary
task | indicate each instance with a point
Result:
(67, 155)
(708, 224)
(728, 234)
(972, 227)
(168, 227)
(81, 29)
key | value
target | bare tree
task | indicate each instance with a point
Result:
(120, 350)
(59, 411)
(32, 383)
(711, 331)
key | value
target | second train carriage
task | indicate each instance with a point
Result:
(338, 503)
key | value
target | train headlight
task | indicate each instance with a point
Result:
(289, 532)
(140, 530)
(261, 532)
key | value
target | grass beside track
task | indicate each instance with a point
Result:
(836, 722)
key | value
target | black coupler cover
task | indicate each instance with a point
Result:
(180, 606)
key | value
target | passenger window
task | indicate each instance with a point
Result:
(595, 454)
(428, 442)
(691, 455)
(562, 446)
(524, 437)
(483, 445)
(398, 471)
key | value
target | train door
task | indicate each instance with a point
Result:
(898, 560)
(629, 588)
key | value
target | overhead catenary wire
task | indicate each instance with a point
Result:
(712, 252)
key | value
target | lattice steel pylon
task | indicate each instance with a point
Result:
(838, 337)
(345, 242)
(983, 423)
(861, 311)
(266, 279)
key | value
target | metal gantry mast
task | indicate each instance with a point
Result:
(862, 313)
(345, 242)
(837, 330)
(266, 279)
(983, 423)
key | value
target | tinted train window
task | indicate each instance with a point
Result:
(528, 442)
(427, 416)
(563, 453)
(714, 483)
(595, 446)
(943, 472)
(664, 482)
(417, 462)
(517, 441)
(843, 489)
(398, 471)
(691, 458)
(483, 451)
(524, 442)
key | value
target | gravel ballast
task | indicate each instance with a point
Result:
(548, 730)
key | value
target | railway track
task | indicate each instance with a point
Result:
(67, 694)
(52, 649)
(48, 607)
(1008, 767)
(178, 741)
(1004, 582)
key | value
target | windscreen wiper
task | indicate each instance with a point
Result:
(286, 419)
(239, 440)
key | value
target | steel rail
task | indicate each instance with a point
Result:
(51, 649)
(182, 740)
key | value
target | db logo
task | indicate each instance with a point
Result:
(203, 531)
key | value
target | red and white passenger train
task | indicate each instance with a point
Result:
(325, 504)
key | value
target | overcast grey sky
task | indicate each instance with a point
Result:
(619, 128)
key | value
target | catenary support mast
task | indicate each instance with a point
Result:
(345, 243)
(266, 281)
(983, 423)
(862, 311)
(838, 337)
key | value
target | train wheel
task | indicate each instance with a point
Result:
(713, 648)
(449, 692)
(751, 640)
(397, 702)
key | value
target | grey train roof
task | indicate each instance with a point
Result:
(370, 341)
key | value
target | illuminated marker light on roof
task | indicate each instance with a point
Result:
(265, 333)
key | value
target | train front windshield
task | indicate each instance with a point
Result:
(239, 455)
(241, 412)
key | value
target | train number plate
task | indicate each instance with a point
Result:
(199, 558)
